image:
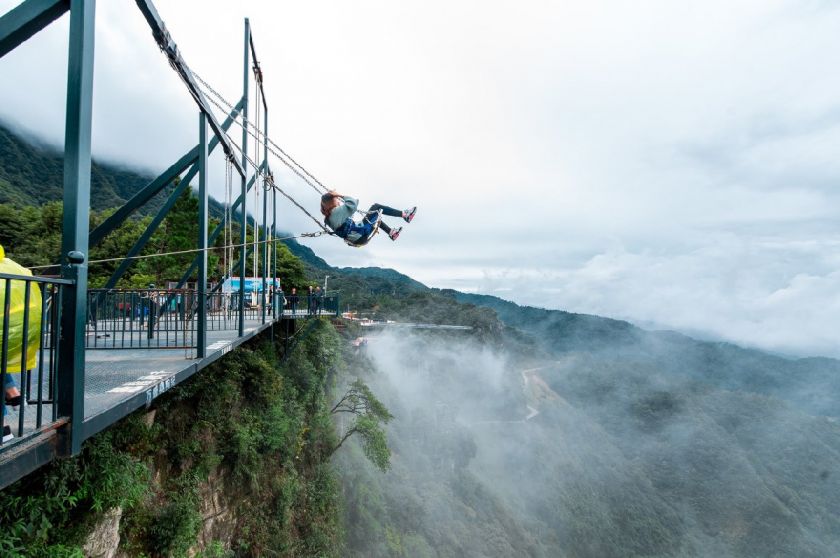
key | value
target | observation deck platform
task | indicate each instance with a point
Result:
(123, 373)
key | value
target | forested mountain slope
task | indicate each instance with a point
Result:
(31, 174)
(811, 384)
(506, 452)
(644, 443)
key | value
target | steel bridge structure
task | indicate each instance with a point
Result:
(89, 357)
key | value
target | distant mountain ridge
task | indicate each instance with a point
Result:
(806, 383)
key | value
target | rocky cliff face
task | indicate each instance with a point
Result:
(216, 507)
(218, 524)
(218, 513)
(104, 540)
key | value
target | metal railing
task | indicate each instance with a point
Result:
(322, 305)
(140, 319)
(30, 329)
(31, 317)
(168, 318)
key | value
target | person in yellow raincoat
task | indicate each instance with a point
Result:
(16, 362)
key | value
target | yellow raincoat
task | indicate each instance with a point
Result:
(17, 300)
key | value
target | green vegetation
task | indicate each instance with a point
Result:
(31, 213)
(32, 237)
(49, 513)
(251, 434)
(369, 416)
(32, 175)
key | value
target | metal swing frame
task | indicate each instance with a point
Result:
(69, 427)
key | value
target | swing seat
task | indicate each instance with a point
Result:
(357, 239)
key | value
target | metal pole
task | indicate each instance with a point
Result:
(274, 248)
(201, 348)
(74, 239)
(265, 216)
(244, 220)
(214, 235)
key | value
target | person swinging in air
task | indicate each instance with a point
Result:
(338, 211)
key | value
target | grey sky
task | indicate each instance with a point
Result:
(672, 163)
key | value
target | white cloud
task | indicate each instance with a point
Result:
(664, 161)
(774, 294)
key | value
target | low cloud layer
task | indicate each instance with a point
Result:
(782, 297)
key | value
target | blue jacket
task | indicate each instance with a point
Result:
(353, 231)
(339, 215)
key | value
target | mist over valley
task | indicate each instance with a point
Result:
(572, 435)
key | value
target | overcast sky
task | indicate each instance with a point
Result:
(671, 163)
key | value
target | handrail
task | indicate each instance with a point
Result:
(37, 279)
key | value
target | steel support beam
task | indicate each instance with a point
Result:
(161, 214)
(20, 23)
(201, 350)
(155, 186)
(244, 221)
(23, 457)
(168, 46)
(257, 65)
(210, 240)
(74, 244)
(146, 236)
(143, 196)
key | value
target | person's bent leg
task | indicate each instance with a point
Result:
(389, 211)
(11, 391)
(12, 398)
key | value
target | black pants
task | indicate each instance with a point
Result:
(389, 211)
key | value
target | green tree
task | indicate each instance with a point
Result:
(369, 417)
(178, 232)
(290, 269)
(14, 226)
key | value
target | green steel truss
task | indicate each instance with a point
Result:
(65, 435)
